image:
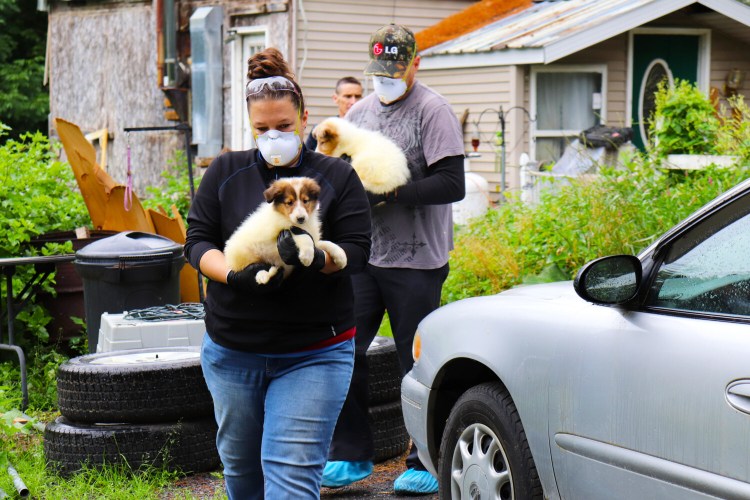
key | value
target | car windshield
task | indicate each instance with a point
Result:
(707, 269)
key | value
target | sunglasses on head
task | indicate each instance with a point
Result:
(269, 84)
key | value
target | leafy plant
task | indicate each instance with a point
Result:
(684, 121)
(622, 210)
(38, 194)
(176, 190)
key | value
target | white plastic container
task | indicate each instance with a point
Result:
(477, 199)
(117, 333)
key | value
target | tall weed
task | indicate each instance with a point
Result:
(621, 210)
(38, 194)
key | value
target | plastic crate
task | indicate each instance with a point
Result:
(117, 333)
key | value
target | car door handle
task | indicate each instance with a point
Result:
(738, 395)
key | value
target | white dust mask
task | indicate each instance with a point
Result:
(388, 89)
(279, 148)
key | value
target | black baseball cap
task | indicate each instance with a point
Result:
(392, 49)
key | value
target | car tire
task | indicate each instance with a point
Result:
(390, 438)
(187, 446)
(136, 386)
(384, 371)
(484, 421)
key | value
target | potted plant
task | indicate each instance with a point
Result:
(685, 128)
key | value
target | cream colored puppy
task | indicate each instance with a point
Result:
(379, 162)
(291, 201)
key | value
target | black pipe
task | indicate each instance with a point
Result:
(184, 127)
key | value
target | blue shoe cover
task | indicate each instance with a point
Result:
(416, 482)
(340, 473)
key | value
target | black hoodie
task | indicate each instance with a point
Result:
(310, 306)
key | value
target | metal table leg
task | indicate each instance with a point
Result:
(11, 340)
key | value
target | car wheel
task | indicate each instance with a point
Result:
(390, 438)
(187, 446)
(135, 386)
(384, 371)
(484, 452)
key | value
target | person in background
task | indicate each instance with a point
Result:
(348, 91)
(412, 235)
(277, 357)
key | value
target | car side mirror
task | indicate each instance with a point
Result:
(610, 280)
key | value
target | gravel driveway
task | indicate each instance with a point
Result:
(378, 485)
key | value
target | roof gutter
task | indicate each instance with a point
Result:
(506, 57)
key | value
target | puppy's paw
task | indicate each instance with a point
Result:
(306, 249)
(334, 251)
(263, 277)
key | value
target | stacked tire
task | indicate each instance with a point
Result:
(151, 408)
(386, 418)
(140, 408)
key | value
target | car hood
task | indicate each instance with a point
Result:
(511, 321)
(546, 291)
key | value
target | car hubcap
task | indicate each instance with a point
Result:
(479, 469)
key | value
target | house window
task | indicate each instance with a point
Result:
(565, 101)
(247, 41)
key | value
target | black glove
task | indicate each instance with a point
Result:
(375, 199)
(289, 252)
(245, 280)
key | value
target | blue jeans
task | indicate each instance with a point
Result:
(276, 417)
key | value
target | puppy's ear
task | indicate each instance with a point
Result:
(311, 188)
(324, 133)
(273, 191)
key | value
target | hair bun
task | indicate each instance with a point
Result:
(268, 62)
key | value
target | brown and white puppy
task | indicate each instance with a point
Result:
(379, 162)
(292, 201)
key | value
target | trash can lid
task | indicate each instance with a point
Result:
(130, 244)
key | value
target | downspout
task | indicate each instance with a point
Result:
(293, 42)
(170, 44)
(158, 6)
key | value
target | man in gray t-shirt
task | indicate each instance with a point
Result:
(412, 235)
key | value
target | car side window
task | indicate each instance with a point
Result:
(707, 269)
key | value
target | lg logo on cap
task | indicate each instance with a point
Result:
(378, 49)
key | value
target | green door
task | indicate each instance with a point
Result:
(656, 57)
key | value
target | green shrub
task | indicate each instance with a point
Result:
(619, 211)
(38, 194)
(684, 121)
(176, 188)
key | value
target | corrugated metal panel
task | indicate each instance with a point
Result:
(332, 39)
(540, 25)
(550, 30)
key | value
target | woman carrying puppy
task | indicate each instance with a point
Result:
(277, 357)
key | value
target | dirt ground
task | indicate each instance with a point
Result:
(378, 485)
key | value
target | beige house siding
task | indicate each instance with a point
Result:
(333, 36)
(724, 57)
(483, 91)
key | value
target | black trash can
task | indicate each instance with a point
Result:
(130, 270)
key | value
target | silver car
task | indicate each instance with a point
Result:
(632, 382)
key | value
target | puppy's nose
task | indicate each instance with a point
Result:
(300, 220)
